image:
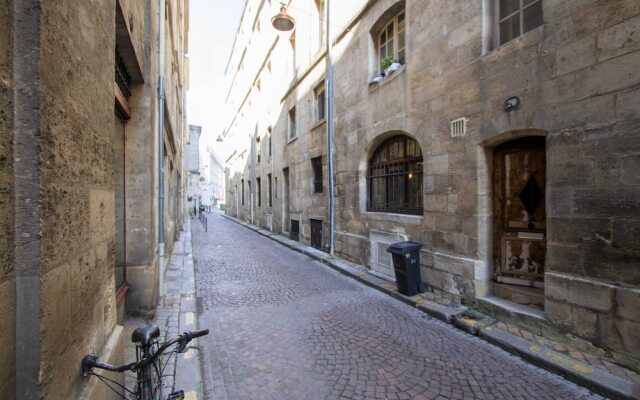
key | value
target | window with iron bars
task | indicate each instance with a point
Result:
(394, 180)
(316, 164)
(122, 77)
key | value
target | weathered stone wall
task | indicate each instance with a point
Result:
(78, 210)
(577, 78)
(7, 273)
(591, 108)
(141, 160)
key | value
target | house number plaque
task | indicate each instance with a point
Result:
(512, 103)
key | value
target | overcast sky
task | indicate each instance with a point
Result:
(212, 28)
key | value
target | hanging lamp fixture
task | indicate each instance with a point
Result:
(283, 21)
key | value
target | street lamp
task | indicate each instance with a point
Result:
(284, 22)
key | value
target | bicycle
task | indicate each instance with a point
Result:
(148, 365)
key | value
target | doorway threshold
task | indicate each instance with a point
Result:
(518, 314)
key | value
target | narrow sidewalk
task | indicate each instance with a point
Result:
(177, 313)
(594, 371)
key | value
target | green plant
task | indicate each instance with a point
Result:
(386, 62)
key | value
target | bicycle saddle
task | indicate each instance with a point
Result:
(145, 334)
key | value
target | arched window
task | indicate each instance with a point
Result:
(394, 177)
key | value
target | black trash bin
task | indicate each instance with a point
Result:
(406, 264)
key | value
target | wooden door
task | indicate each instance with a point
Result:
(519, 226)
(316, 233)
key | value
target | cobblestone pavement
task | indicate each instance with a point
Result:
(286, 327)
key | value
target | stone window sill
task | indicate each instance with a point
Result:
(319, 124)
(388, 78)
(400, 218)
(293, 139)
(530, 38)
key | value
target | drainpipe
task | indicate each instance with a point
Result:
(161, 13)
(331, 198)
(486, 26)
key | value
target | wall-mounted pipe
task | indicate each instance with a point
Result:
(331, 198)
(161, 56)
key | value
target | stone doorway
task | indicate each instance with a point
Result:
(519, 220)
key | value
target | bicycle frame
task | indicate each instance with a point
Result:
(147, 366)
(146, 387)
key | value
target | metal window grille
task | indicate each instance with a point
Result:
(316, 164)
(395, 177)
(459, 127)
(259, 190)
(295, 230)
(122, 77)
(270, 190)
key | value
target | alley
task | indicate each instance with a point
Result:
(286, 327)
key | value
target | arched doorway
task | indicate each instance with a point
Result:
(519, 220)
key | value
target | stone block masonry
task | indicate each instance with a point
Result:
(58, 196)
(576, 77)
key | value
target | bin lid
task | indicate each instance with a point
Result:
(404, 247)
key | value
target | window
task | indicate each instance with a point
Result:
(292, 43)
(259, 190)
(319, 34)
(275, 186)
(517, 17)
(269, 132)
(269, 189)
(391, 40)
(258, 149)
(320, 98)
(395, 177)
(316, 164)
(242, 184)
(292, 123)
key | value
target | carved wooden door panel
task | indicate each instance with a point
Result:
(519, 242)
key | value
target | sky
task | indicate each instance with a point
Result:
(212, 29)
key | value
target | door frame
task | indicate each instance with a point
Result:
(484, 269)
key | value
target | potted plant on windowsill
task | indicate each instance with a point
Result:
(389, 65)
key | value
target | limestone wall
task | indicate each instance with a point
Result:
(7, 273)
(577, 79)
(78, 307)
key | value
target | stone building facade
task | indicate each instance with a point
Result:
(192, 165)
(504, 138)
(79, 182)
(212, 179)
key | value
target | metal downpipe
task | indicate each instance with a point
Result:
(161, 56)
(330, 167)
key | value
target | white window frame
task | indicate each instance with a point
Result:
(393, 21)
(317, 91)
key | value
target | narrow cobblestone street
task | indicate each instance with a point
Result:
(284, 326)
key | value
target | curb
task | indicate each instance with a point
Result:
(188, 373)
(597, 380)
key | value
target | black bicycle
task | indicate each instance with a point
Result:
(148, 367)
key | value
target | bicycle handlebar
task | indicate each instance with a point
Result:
(202, 332)
(90, 361)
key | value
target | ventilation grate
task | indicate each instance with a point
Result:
(459, 127)
(384, 257)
